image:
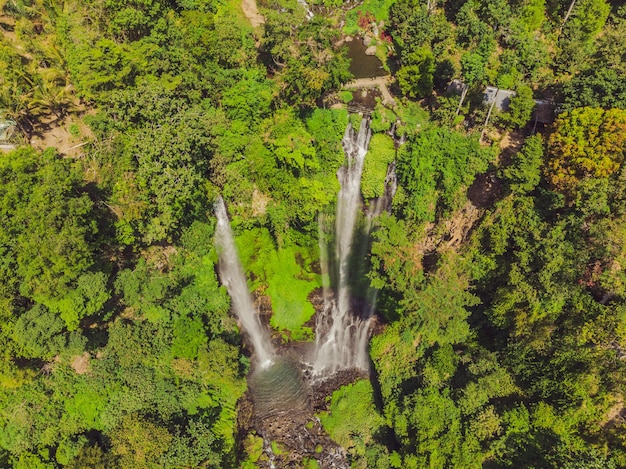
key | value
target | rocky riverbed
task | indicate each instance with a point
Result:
(282, 402)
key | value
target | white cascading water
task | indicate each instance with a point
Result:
(341, 336)
(234, 279)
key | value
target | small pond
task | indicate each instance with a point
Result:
(363, 66)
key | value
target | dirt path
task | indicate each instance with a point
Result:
(381, 82)
(252, 13)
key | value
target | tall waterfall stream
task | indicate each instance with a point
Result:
(281, 395)
(343, 344)
(234, 280)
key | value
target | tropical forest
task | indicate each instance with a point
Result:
(312, 234)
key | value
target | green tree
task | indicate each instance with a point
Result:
(139, 443)
(521, 108)
(587, 142)
(524, 172)
(48, 230)
(434, 166)
(415, 78)
(576, 42)
(39, 333)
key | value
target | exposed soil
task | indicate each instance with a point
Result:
(80, 363)
(68, 134)
(452, 232)
(616, 414)
(485, 190)
(510, 144)
(160, 257)
(252, 13)
(259, 202)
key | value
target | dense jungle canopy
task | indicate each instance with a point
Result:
(501, 322)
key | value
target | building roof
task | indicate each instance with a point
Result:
(502, 98)
(456, 86)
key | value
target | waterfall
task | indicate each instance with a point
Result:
(342, 331)
(341, 335)
(233, 278)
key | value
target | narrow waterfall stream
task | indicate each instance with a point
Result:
(233, 277)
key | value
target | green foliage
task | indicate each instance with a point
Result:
(355, 121)
(39, 333)
(378, 9)
(172, 162)
(354, 423)
(116, 347)
(434, 166)
(381, 153)
(601, 82)
(472, 66)
(87, 299)
(587, 19)
(307, 67)
(524, 172)
(446, 111)
(520, 108)
(289, 287)
(285, 276)
(412, 116)
(48, 231)
(327, 128)
(587, 142)
(413, 27)
(602, 87)
(415, 78)
(532, 14)
(346, 96)
(188, 337)
(382, 119)
(249, 100)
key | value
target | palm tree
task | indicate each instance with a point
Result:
(49, 98)
(16, 106)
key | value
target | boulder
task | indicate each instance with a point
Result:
(371, 50)
(367, 40)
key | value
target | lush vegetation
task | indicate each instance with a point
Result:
(500, 269)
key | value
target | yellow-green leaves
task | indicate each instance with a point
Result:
(587, 142)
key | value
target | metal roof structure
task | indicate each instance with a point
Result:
(502, 98)
(456, 86)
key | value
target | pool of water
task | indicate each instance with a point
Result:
(363, 66)
(279, 388)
